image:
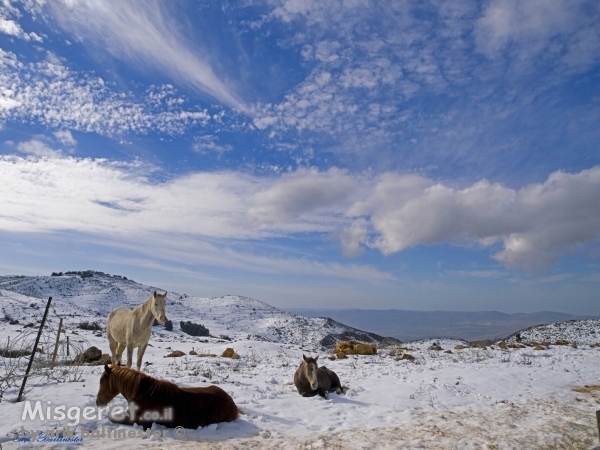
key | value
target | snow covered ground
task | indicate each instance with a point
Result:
(469, 398)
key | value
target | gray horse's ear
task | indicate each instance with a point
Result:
(154, 293)
(106, 368)
(316, 358)
(304, 357)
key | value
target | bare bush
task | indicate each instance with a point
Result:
(15, 353)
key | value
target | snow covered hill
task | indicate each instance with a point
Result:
(446, 395)
(91, 298)
(578, 332)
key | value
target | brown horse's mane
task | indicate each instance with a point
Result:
(127, 381)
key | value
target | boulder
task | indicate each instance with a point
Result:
(90, 355)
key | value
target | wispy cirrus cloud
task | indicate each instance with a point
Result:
(209, 144)
(146, 33)
(562, 32)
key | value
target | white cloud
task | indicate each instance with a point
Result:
(477, 273)
(49, 93)
(38, 148)
(563, 29)
(144, 32)
(209, 144)
(535, 224)
(300, 192)
(65, 137)
(10, 27)
(353, 236)
(106, 197)
(366, 63)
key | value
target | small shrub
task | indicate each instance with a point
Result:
(407, 357)
(94, 326)
(194, 329)
(516, 346)
(562, 342)
(355, 348)
(230, 353)
(169, 325)
(502, 345)
(459, 347)
(175, 354)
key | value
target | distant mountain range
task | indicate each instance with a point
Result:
(411, 325)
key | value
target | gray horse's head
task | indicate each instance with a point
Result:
(310, 371)
(159, 305)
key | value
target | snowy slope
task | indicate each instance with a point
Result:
(92, 298)
(470, 398)
(578, 332)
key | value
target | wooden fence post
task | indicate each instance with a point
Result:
(37, 340)
(598, 422)
(56, 345)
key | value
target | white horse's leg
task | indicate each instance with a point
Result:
(140, 355)
(129, 355)
(114, 345)
(120, 348)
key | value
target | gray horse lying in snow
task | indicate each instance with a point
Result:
(310, 379)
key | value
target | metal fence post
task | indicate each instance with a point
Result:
(37, 340)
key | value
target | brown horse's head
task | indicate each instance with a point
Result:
(158, 306)
(117, 380)
(107, 390)
(310, 371)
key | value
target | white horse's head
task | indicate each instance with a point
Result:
(158, 307)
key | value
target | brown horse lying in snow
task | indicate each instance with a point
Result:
(156, 401)
(311, 380)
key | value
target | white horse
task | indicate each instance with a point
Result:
(127, 328)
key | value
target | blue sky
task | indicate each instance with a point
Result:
(395, 154)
